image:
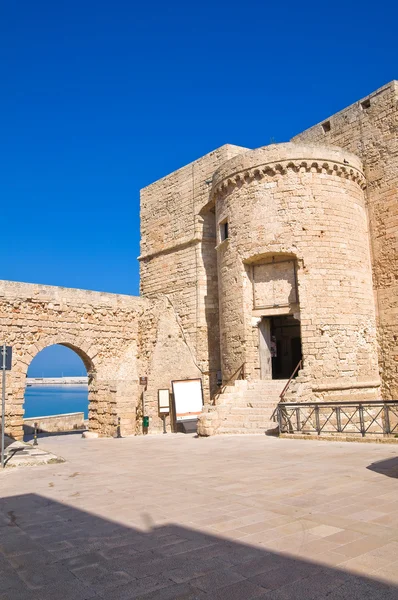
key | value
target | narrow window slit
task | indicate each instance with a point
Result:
(224, 231)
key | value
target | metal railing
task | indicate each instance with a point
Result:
(238, 374)
(350, 418)
(283, 392)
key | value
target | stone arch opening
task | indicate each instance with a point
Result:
(59, 388)
(87, 361)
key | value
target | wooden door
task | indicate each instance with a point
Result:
(265, 348)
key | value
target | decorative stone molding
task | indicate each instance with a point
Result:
(270, 162)
(269, 171)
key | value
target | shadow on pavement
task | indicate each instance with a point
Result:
(51, 551)
(388, 467)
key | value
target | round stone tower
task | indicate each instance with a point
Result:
(295, 280)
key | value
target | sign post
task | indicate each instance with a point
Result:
(5, 363)
(145, 419)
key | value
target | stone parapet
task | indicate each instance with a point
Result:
(36, 292)
(276, 159)
(55, 423)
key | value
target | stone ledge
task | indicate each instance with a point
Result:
(347, 386)
(22, 454)
(37, 292)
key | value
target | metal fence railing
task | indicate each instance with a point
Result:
(349, 418)
(283, 392)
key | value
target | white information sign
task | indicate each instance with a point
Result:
(164, 401)
(188, 398)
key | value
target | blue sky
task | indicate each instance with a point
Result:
(56, 361)
(99, 99)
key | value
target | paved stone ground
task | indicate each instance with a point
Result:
(174, 517)
(21, 454)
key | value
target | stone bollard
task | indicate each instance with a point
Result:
(118, 435)
(35, 442)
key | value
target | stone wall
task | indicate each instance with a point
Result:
(178, 258)
(54, 423)
(119, 338)
(306, 204)
(165, 355)
(370, 129)
(101, 328)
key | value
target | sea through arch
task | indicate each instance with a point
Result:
(57, 390)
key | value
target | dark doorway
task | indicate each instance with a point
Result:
(285, 346)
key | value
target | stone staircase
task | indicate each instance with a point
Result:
(244, 407)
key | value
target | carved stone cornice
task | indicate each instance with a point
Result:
(274, 170)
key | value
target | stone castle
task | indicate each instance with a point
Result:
(254, 264)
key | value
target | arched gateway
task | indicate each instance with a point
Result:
(47, 398)
(101, 328)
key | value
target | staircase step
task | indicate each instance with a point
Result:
(271, 384)
(246, 411)
(250, 404)
(247, 422)
(234, 429)
(246, 407)
(249, 394)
